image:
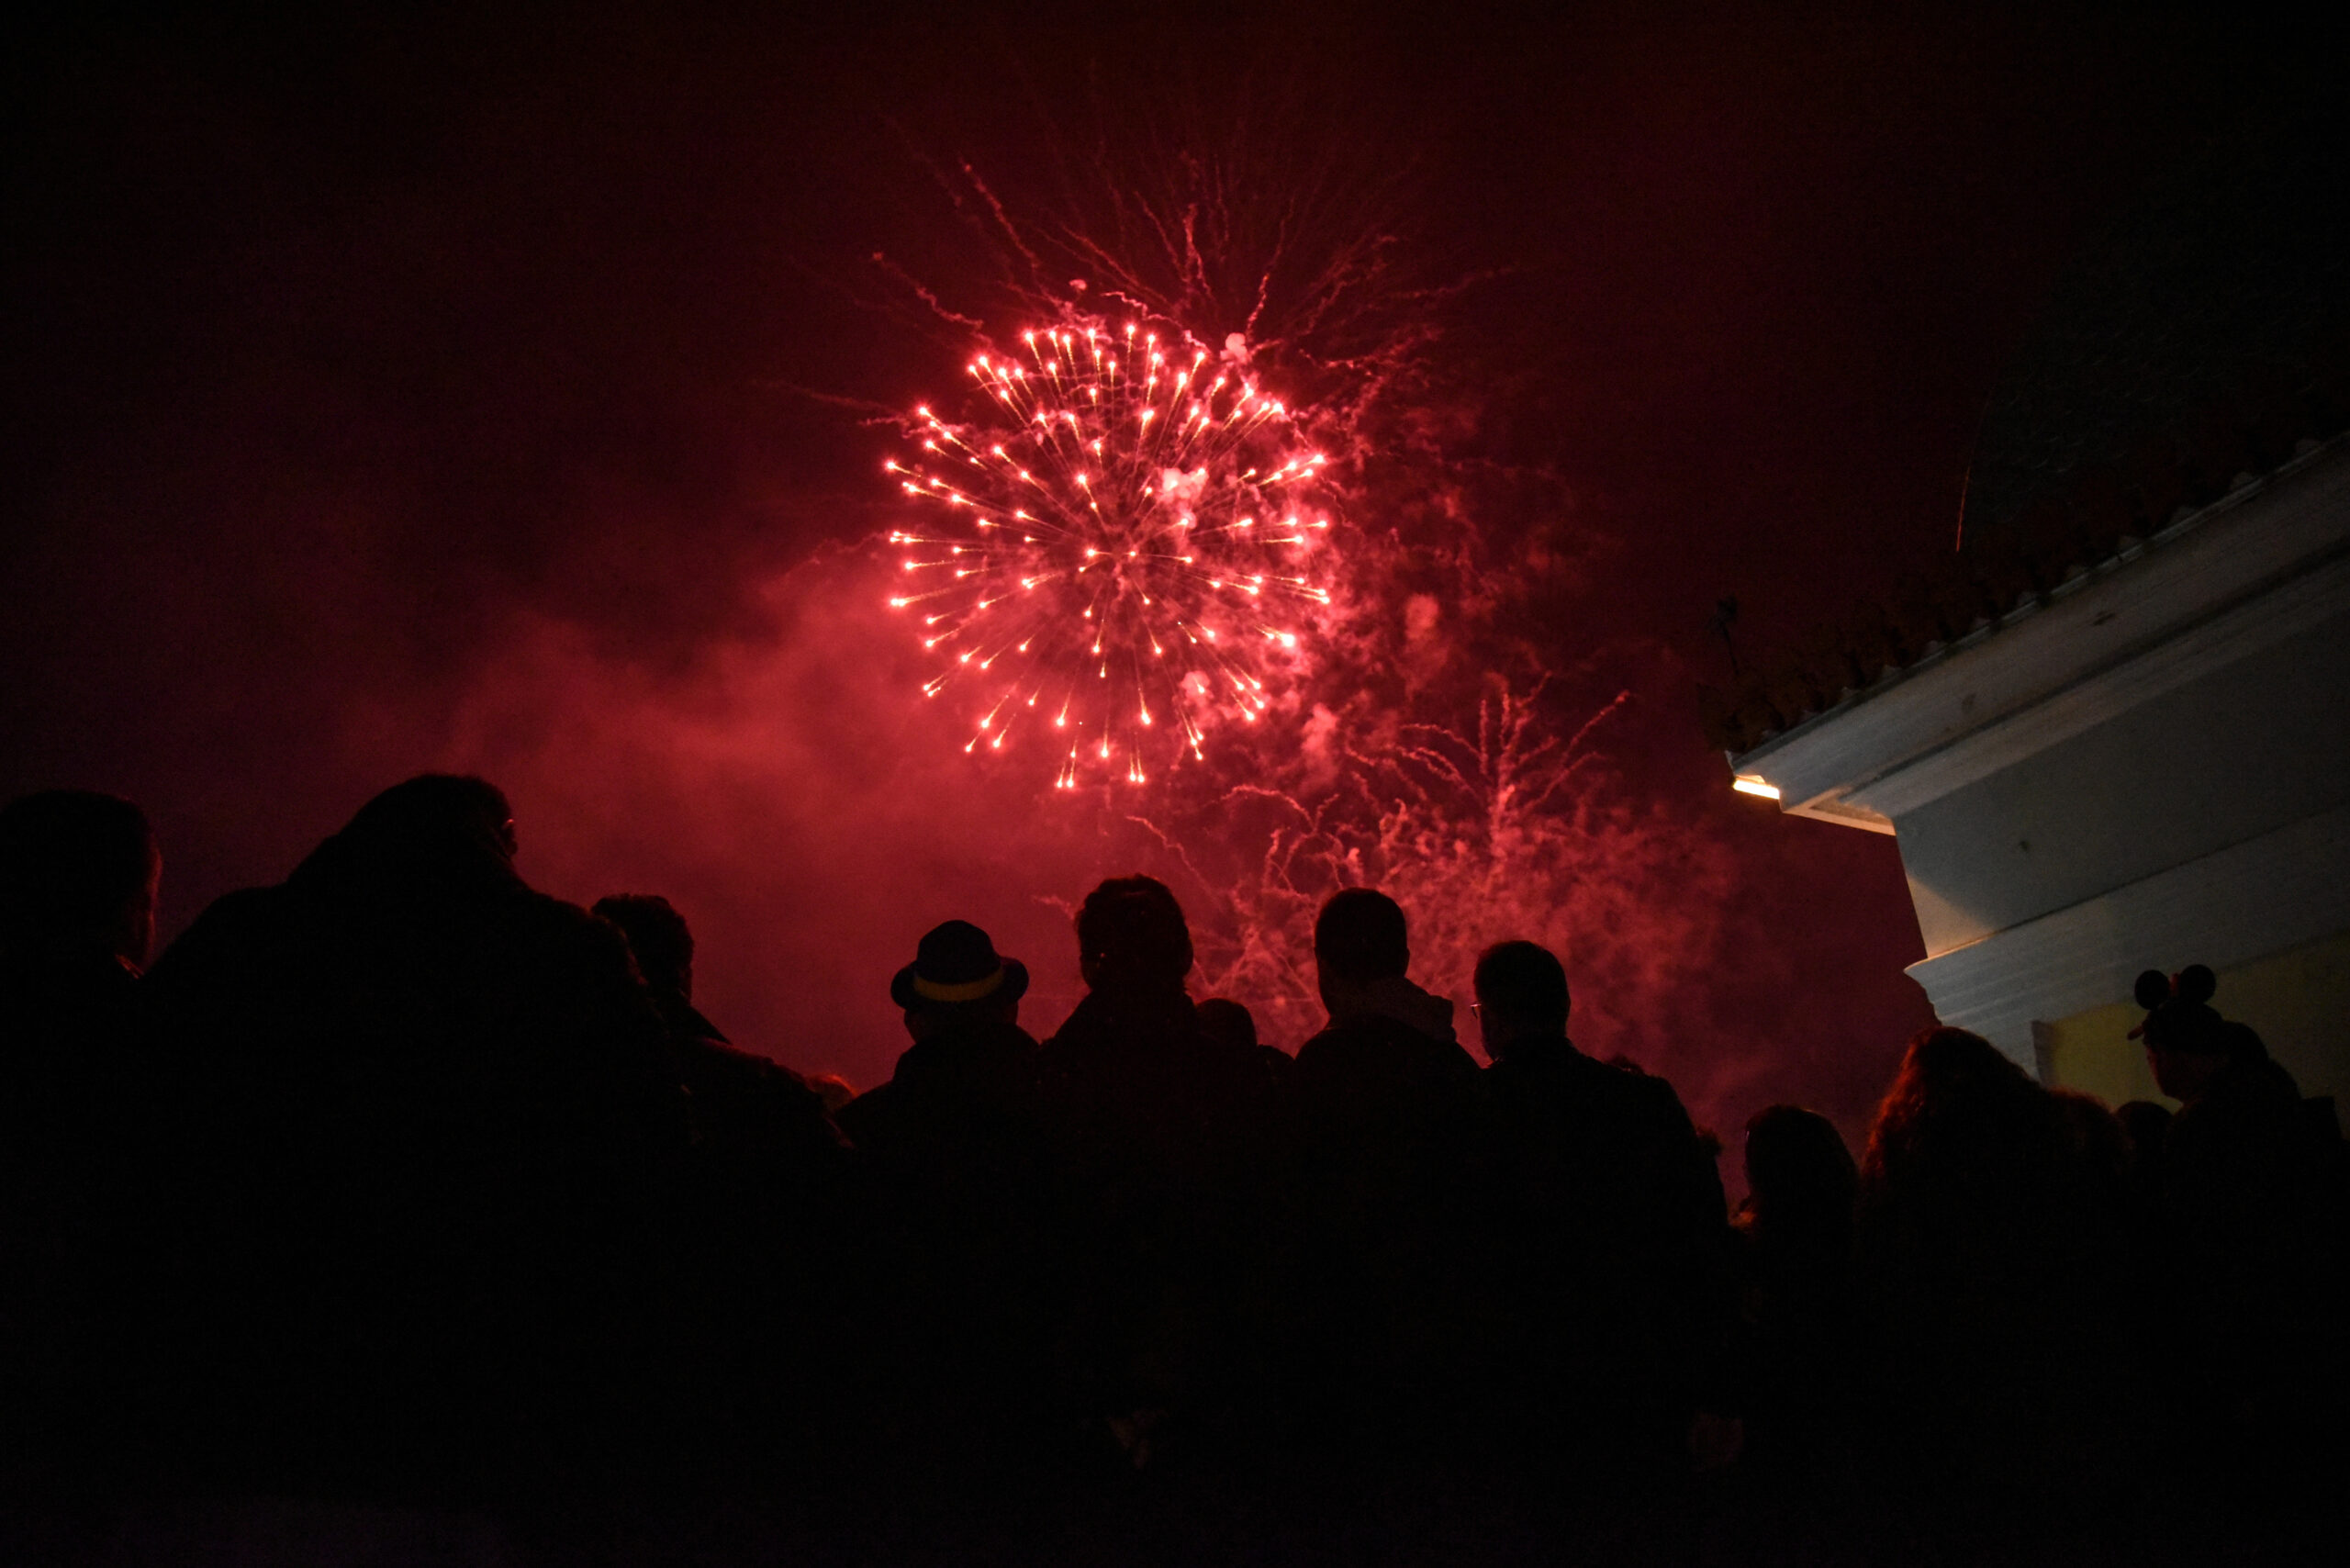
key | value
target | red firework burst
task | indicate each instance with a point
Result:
(1121, 548)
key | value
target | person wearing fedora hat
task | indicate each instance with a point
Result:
(961, 1182)
(969, 1056)
(957, 976)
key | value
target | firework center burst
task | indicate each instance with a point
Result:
(1117, 551)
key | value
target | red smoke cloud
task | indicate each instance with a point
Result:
(812, 815)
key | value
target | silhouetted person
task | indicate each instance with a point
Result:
(1228, 1023)
(970, 1061)
(1156, 1123)
(1382, 1028)
(768, 1232)
(78, 872)
(1385, 1236)
(2102, 1149)
(663, 945)
(1230, 1026)
(2147, 1125)
(1794, 1230)
(1984, 1272)
(958, 1152)
(2248, 1228)
(1801, 1186)
(1619, 1279)
(435, 1125)
(78, 875)
(741, 1103)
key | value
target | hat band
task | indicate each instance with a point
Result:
(968, 990)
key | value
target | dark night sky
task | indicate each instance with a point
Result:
(353, 366)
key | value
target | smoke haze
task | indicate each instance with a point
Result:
(508, 393)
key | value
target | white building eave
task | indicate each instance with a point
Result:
(2263, 563)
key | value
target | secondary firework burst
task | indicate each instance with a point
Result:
(1119, 549)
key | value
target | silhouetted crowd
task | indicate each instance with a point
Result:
(400, 1173)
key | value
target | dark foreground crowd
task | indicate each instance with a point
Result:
(401, 1175)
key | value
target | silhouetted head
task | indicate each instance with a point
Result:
(1947, 1068)
(78, 875)
(1131, 938)
(2097, 1135)
(1359, 937)
(2148, 1125)
(659, 938)
(1799, 1175)
(2187, 1041)
(438, 833)
(2180, 1016)
(1521, 996)
(1955, 1089)
(957, 974)
(1229, 1024)
(2242, 1043)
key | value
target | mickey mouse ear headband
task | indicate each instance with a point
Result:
(2191, 987)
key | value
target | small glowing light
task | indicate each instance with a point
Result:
(1752, 784)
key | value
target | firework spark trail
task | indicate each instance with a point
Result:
(1473, 829)
(1130, 531)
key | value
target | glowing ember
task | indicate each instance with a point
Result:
(1118, 553)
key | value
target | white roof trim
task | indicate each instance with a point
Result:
(2268, 561)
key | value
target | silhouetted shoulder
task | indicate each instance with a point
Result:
(1101, 1029)
(1557, 1067)
(1555, 1104)
(227, 977)
(740, 1100)
(981, 1055)
(749, 1070)
(1275, 1067)
(1375, 1051)
(868, 1120)
(1137, 1049)
(229, 925)
(1656, 1097)
(594, 940)
(978, 1079)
